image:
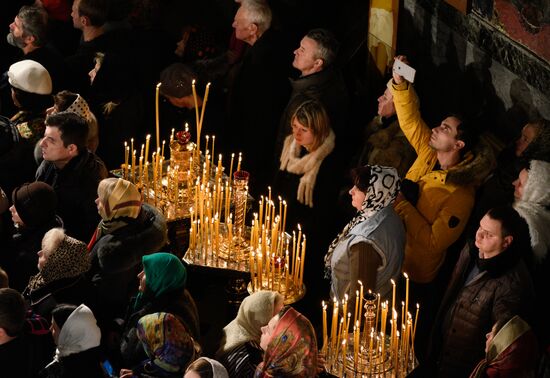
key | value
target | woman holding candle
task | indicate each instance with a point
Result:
(128, 230)
(371, 246)
(290, 346)
(240, 350)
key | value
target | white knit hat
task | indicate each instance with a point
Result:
(30, 76)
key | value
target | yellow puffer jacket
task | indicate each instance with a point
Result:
(446, 197)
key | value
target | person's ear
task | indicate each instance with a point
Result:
(318, 63)
(73, 149)
(459, 144)
(253, 28)
(508, 241)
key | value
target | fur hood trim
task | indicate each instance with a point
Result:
(475, 166)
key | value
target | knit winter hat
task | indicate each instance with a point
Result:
(35, 203)
(176, 80)
(124, 201)
(30, 76)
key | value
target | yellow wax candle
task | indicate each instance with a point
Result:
(126, 157)
(142, 148)
(172, 135)
(344, 359)
(213, 151)
(162, 153)
(345, 305)
(303, 260)
(197, 119)
(204, 100)
(141, 171)
(334, 322)
(260, 273)
(393, 294)
(147, 140)
(157, 123)
(133, 165)
(360, 302)
(131, 144)
(284, 216)
(239, 162)
(377, 311)
(231, 169)
(325, 335)
(406, 292)
(356, 306)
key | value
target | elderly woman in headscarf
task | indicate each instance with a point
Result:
(240, 350)
(77, 337)
(62, 264)
(290, 346)
(162, 288)
(370, 248)
(168, 346)
(128, 230)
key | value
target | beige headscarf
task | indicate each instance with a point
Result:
(123, 201)
(255, 312)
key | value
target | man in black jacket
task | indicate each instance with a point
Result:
(72, 171)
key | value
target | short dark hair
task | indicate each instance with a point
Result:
(35, 23)
(73, 128)
(12, 311)
(360, 177)
(327, 44)
(512, 224)
(61, 313)
(464, 132)
(95, 10)
(33, 102)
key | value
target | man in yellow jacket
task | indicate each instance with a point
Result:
(445, 174)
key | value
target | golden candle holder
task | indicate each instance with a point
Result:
(369, 351)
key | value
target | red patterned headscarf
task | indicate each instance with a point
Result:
(292, 350)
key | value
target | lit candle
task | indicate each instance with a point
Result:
(360, 302)
(133, 164)
(157, 114)
(334, 322)
(172, 135)
(205, 98)
(147, 140)
(239, 163)
(197, 119)
(325, 336)
(393, 294)
(284, 216)
(303, 260)
(162, 153)
(406, 292)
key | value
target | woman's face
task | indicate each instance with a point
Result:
(42, 258)
(357, 197)
(54, 329)
(141, 278)
(528, 133)
(489, 338)
(267, 332)
(519, 184)
(303, 135)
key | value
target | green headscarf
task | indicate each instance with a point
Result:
(164, 272)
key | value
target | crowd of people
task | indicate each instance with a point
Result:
(85, 287)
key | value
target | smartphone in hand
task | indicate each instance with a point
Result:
(404, 70)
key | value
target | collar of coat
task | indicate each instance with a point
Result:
(472, 170)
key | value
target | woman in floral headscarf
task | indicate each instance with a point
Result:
(370, 248)
(290, 346)
(168, 345)
(161, 289)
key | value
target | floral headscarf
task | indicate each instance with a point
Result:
(383, 188)
(292, 350)
(166, 342)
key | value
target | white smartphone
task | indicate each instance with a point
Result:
(404, 70)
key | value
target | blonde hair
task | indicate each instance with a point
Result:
(312, 115)
(51, 240)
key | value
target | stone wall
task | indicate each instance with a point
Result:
(464, 64)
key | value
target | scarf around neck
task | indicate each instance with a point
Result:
(382, 190)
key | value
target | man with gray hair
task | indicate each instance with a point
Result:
(260, 90)
(29, 33)
(315, 58)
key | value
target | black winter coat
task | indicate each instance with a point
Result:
(116, 260)
(76, 189)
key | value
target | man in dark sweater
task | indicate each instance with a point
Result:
(72, 171)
